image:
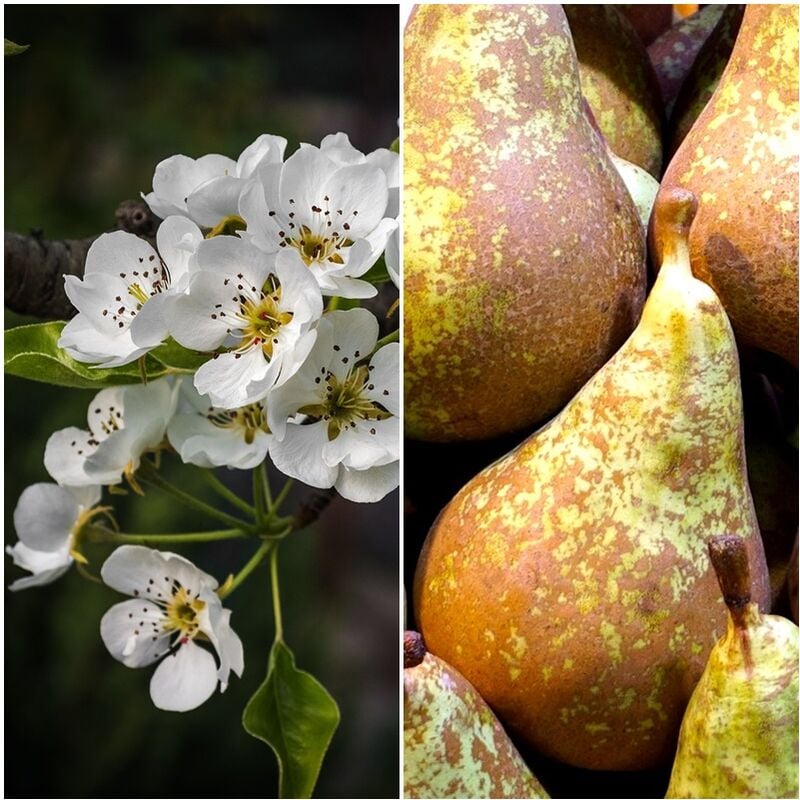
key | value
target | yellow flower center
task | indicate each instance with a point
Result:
(182, 612)
(250, 419)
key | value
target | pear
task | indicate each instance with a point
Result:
(739, 735)
(618, 81)
(569, 581)
(703, 78)
(453, 744)
(523, 252)
(641, 186)
(674, 52)
(741, 160)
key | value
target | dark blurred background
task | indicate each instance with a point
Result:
(101, 96)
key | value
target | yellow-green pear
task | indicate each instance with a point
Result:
(739, 736)
(453, 744)
(523, 253)
(569, 582)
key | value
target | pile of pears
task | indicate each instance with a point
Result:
(601, 336)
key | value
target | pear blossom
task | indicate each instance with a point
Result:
(216, 437)
(207, 189)
(124, 422)
(121, 297)
(259, 309)
(344, 430)
(327, 215)
(174, 606)
(47, 519)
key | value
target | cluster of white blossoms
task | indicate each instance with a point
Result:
(251, 259)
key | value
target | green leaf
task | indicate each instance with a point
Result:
(294, 714)
(31, 351)
(12, 49)
(395, 145)
(171, 354)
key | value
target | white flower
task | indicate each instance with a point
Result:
(214, 437)
(121, 297)
(174, 606)
(207, 189)
(124, 422)
(348, 432)
(257, 307)
(337, 146)
(47, 519)
(331, 217)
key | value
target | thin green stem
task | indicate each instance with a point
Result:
(227, 494)
(282, 495)
(257, 557)
(99, 533)
(333, 304)
(150, 476)
(262, 469)
(394, 336)
(258, 497)
(276, 594)
(143, 369)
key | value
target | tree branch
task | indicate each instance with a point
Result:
(35, 267)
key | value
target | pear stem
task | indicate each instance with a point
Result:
(730, 561)
(413, 649)
(673, 214)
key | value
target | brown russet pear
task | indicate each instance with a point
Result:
(704, 76)
(523, 253)
(453, 745)
(741, 160)
(739, 736)
(674, 52)
(619, 83)
(569, 581)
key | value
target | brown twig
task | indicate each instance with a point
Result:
(35, 267)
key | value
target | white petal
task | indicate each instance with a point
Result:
(174, 179)
(266, 149)
(385, 377)
(106, 411)
(198, 441)
(389, 162)
(194, 320)
(184, 680)
(361, 188)
(46, 567)
(233, 382)
(216, 199)
(132, 632)
(118, 252)
(86, 496)
(226, 642)
(149, 327)
(65, 456)
(392, 256)
(231, 256)
(44, 516)
(300, 293)
(130, 568)
(368, 486)
(177, 239)
(304, 176)
(354, 335)
(82, 341)
(299, 455)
